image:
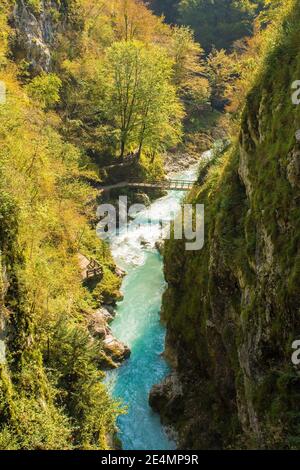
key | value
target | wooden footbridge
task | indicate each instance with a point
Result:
(170, 184)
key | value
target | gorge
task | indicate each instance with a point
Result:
(97, 93)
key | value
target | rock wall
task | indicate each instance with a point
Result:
(37, 24)
(233, 310)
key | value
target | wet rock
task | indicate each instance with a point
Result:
(120, 272)
(142, 198)
(109, 313)
(98, 323)
(117, 350)
(159, 245)
(98, 326)
(110, 309)
(167, 398)
(176, 162)
(111, 300)
(144, 242)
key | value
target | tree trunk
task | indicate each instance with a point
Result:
(140, 150)
(141, 143)
(122, 149)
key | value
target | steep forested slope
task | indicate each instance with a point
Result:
(232, 309)
(216, 23)
(51, 390)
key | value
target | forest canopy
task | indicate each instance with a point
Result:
(217, 23)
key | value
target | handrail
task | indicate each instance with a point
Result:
(170, 184)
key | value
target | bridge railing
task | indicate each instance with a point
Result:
(171, 184)
(167, 182)
(184, 182)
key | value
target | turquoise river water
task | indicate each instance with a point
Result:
(137, 324)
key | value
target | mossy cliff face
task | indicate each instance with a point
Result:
(232, 309)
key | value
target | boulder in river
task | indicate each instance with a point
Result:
(109, 312)
(144, 243)
(142, 198)
(120, 272)
(98, 326)
(111, 300)
(115, 349)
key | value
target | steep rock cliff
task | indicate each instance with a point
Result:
(37, 25)
(232, 310)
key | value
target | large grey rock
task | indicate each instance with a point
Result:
(117, 350)
(98, 325)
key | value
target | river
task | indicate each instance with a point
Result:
(137, 323)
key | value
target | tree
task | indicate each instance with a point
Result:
(141, 100)
(219, 23)
(189, 69)
(131, 19)
(168, 8)
(4, 30)
(45, 89)
(222, 71)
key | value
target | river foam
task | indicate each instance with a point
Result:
(137, 324)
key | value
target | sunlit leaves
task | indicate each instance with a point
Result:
(44, 89)
(141, 99)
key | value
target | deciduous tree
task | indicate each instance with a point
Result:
(141, 99)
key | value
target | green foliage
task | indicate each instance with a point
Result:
(35, 5)
(44, 89)
(216, 23)
(37, 426)
(44, 211)
(169, 8)
(169, 77)
(140, 97)
(188, 67)
(73, 355)
(152, 167)
(4, 30)
(29, 418)
(120, 83)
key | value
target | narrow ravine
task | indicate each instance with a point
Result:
(137, 324)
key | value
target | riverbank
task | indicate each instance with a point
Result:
(100, 320)
(179, 161)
